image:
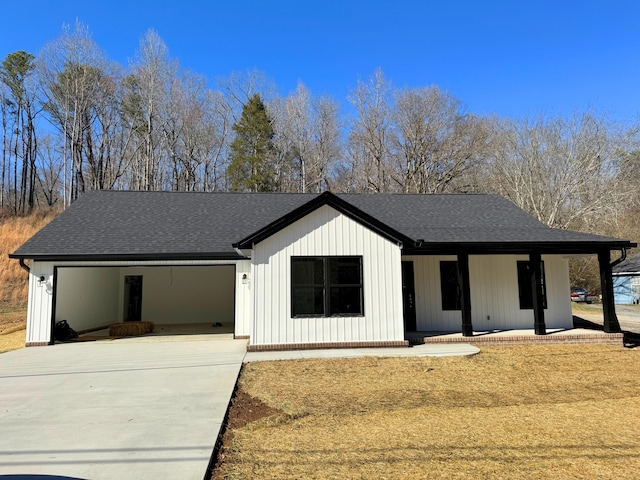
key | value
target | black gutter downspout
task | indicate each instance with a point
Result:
(623, 257)
(611, 323)
(25, 266)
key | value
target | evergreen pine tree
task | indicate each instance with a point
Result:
(251, 163)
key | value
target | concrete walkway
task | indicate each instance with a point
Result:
(137, 408)
(436, 350)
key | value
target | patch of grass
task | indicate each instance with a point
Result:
(12, 319)
(584, 307)
(12, 328)
(552, 412)
(12, 340)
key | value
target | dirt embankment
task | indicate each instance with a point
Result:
(14, 231)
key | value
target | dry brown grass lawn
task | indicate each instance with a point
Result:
(12, 328)
(550, 412)
(13, 340)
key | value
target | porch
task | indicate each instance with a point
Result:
(514, 295)
(588, 324)
(519, 337)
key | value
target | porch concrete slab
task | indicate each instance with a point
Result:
(125, 410)
(514, 333)
(434, 350)
(526, 337)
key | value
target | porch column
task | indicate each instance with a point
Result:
(465, 294)
(535, 262)
(611, 324)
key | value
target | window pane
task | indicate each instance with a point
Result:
(326, 286)
(449, 286)
(307, 271)
(344, 271)
(308, 301)
(346, 300)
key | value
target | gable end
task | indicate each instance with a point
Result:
(326, 198)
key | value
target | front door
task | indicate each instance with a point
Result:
(408, 297)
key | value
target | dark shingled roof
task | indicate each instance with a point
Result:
(630, 265)
(180, 225)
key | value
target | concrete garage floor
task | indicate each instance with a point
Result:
(156, 406)
(165, 330)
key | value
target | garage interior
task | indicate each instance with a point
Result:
(177, 299)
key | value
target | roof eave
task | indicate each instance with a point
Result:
(486, 248)
(50, 257)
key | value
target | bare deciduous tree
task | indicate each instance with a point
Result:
(563, 170)
(306, 138)
(154, 73)
(79, 93)
(434, 142)
(369, 137)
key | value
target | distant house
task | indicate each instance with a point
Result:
(626, 281)
(305, 270)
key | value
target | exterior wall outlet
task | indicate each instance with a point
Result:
(488, 317)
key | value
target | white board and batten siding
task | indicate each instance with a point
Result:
(244, 305)
(326, 232)
(39, 303)
(494, 294)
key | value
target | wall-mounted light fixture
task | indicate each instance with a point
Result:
(245, 278)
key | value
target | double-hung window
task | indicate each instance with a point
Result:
(326, 286)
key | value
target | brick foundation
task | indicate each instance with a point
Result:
(596, 338)
(330, 345)
(36, 344)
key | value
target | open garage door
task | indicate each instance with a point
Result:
(94, 297)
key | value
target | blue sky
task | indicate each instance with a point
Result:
(512, 58)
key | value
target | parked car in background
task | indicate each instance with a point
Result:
(579, 294)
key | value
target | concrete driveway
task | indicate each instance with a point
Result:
(628, 316)
(122, 409)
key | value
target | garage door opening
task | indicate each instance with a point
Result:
(177, 299)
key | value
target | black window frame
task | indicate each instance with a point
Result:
(328, 287)
(525, 292)
(450, 287)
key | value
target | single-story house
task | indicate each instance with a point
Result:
(306, 270)
(626, 281)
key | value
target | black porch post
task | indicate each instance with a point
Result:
(465, 294)
(611, 324)
(535, 263)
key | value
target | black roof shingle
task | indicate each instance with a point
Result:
(178, 225)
